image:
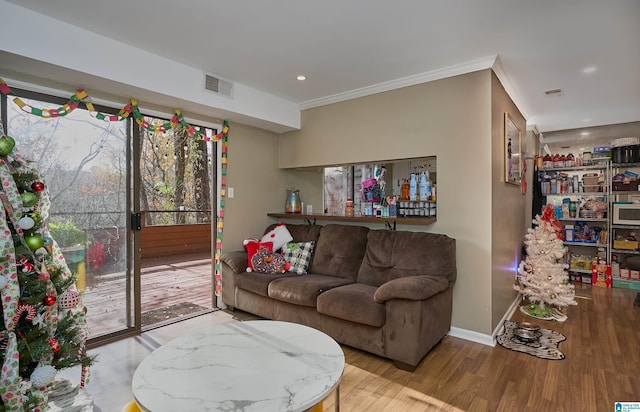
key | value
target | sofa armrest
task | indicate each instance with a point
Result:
(411, 288)
(237, 261)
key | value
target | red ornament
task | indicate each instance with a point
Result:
(37, 186)
(28, 268)
(50, 300)
(55, 346)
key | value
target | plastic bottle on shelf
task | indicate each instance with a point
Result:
(405, 189)
(348, 209)
(413, 188)
(423, 187)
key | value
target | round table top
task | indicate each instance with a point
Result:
(247, 366)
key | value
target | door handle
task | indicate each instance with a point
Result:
(136, 221)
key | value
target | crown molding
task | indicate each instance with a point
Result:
(509, 87)
(450, 71)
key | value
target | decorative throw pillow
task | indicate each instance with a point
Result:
(279, 235)
(299, 256)
(252, 246)
(269, 262)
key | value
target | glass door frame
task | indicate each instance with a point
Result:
(132, 298)
(133, 282)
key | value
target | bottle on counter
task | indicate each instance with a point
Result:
(404, 189)
(423, 187)
(413, 188)
(348, 209)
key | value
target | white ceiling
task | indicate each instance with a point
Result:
(343, 46)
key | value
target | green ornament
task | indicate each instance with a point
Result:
(34, 242)
(29, 199)
(6, 145)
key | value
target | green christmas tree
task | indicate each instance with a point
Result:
(43, 327)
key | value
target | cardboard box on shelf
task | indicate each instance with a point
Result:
(591, 188)
(625, 273)
(634, 275)
(601, 276)
(590, 181)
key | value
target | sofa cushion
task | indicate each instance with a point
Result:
(236, 260)
(298, 255)
(252, 246)
(411, 288)
(354, 303)
(395, 254)
(257, 282)
(339, 251)
(278, 236)
(303, 290)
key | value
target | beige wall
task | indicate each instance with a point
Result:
(508, 207)
(459, 120)
(450, 119)
(260, 186)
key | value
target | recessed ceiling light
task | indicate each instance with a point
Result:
(584, 134)
(301, 77)
(589, 69)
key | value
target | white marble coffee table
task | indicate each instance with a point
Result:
(258, 365)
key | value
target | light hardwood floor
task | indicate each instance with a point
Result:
(602, 365)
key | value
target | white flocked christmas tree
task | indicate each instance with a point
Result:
(543, 278)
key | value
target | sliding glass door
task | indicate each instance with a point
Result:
(174, 201)
(131, 209)
(85, 164)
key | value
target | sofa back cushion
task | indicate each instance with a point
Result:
(396, 254)
(339, 251)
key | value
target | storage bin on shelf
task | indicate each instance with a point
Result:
(625, 244)
(626, 283)
(626, 187)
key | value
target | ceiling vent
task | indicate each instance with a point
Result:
(218, 85)
(553, 92)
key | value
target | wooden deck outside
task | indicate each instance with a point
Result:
(179, 281)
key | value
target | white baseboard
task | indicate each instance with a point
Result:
(489, 340)
(500, 326)
(472, 336)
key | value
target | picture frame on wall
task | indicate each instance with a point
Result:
(512, 151)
